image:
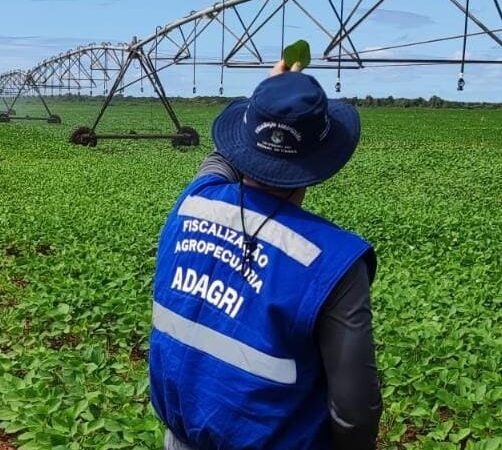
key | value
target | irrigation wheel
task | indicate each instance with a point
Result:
(4, 118)
(55, 119)
(186, 136)
(84, 136)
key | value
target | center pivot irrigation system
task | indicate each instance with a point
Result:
(236, 34)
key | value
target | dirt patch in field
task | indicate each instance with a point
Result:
(12, 250)
(137, 354)
(7, 302)
(444, 413)
(111, 347)
(44, 249)
(56, 342)
(5, 348)
(20, 373)
(410, 435)
(27, 326)
(6, 441)
(20, 282)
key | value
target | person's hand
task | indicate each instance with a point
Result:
(281, 68)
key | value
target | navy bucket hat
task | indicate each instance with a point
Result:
(288, 135)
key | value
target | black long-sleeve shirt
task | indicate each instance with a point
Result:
(346, 343)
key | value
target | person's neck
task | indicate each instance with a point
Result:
(294, 196)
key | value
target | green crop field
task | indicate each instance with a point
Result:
(78, 234)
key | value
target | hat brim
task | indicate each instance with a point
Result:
(296, 171)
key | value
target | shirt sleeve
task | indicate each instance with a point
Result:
(216, 164)
(348, 354)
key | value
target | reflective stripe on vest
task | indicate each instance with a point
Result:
(274, 233)
(172, 443)
(223, 347)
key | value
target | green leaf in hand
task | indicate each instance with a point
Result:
(299, 52)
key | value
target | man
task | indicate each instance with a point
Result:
(262, 323)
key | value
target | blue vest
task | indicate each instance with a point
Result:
(234, 361)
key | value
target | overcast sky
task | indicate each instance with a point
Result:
(31, 30)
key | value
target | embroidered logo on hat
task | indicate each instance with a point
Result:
(288, 134)
(278, 137)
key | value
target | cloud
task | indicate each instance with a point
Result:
(102, 3)
(59, 43)
(397, 18)
(402, 38)
(27, 51)
(16, 38)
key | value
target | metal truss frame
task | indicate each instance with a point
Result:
(106, 66)
(17, 84)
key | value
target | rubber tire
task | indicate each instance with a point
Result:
(84, 136)
(4, 118)
(54, 119)
(187, 137)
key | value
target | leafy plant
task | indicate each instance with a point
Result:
(79, 229)
(298, 53)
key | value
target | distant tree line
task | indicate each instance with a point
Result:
(368, 101)
(420, 102)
